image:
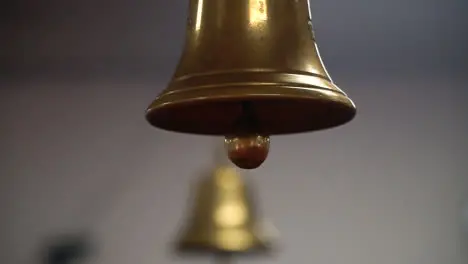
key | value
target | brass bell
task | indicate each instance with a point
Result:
(256, 53)
(223, 219)
(250, 69)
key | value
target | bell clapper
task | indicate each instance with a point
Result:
(247, 147)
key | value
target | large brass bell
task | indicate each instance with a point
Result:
(224, 219)
(250, 69)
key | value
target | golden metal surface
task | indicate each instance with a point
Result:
(260, 51)
(223, 219)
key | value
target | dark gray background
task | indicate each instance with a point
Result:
(132, 37)
(76, 153)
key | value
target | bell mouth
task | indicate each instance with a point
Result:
(278, 109)
(194, 248)
(205, 243)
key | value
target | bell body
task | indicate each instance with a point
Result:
(257, 51)
(224, 218)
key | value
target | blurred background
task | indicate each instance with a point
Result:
(77, 156)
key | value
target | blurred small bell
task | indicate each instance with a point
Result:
(224, 219)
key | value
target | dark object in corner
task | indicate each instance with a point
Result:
(64, 250)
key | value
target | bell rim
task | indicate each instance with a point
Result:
(207, 245)
(197, 249)
(341, 109)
